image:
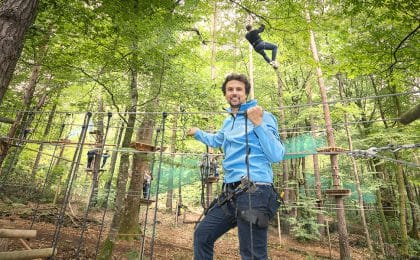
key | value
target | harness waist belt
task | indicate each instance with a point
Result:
(255, 43)
(263, 183)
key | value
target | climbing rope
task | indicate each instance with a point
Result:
(248, 174)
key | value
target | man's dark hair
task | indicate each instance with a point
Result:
(239, 77)
(248, 27)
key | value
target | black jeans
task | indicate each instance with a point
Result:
(261, 46)
(220, 219)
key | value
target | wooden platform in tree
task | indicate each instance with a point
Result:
(332, 150)
(338, 192)
(212, 179)
(143, 147)
(146, 201)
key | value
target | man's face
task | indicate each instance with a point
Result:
(235, 93)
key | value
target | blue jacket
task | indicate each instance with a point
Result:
(263, 140)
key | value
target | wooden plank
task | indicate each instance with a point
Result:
(17, 233)
(338, 192)
(27, 254)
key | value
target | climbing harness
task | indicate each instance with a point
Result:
(228, 195)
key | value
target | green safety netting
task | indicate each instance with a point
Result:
(175, 171)
(326, 183)
(185, 170)
(303, 145)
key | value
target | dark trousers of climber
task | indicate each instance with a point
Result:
(220, 219)
(261, 46)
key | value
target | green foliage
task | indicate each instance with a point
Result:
(305, 226)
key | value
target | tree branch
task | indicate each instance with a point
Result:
(106, 89)
(394, 53)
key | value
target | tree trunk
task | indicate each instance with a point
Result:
(414, 208)
(378, 168)
(99, 137)
(16, 16)
(123, 170)
(41, 146)
(341, 218)
(317, 174)
(305, 181)
(213, 44)
(117, 142)
(355, 172)
(169, 193)
(17, 134)
(411, 115)
(130, 219)
(402, 199)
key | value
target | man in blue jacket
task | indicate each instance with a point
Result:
(248, 207)
(254, 38)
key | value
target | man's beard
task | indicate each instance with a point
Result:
(239, 102)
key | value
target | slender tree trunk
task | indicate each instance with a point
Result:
(41, 146)
(17, 135)
(59, 159)
(402, 199)
(117, 142)
(213, 44)
(317, 174)
(251, 66)
(169, 193)
(283, 134)
(413, 206)
(355, 172)
(341, 218)
(378, 100)
(305, 180)
(99, 137)
(16, 16)
(384, 223)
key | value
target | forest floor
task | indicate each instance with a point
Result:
(172, 240)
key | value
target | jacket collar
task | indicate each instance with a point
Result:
(244, 106)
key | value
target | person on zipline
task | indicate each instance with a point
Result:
(248, 128)
(253, 36)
